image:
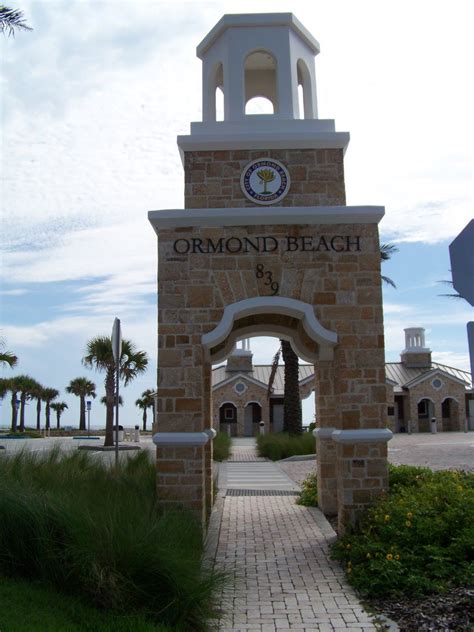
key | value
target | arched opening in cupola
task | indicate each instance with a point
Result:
(260, 70)
(305, 90)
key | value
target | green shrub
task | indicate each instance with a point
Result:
(221, 447)
(95, 533)
(309, 491)
(280, 445)
(417, 539)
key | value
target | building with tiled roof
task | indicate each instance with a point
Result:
(422, 395)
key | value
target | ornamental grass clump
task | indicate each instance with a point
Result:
(418, 539)
(73, 522)
(221, 446)
(281, 445)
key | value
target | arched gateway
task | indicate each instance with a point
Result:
(267, 246)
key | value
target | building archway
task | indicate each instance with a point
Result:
(450, 414)
(252, 418)
(426, 412)
(228, 418)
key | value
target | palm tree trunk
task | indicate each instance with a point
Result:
(292, 421)
(38, 414)
(48, 415)
(58, 417)
(22, 412)
(14, 411)
(82, 413)
(144, 419)
(109, 404)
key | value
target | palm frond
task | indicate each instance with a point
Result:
(276, 360)
(388, 281)
(11, 19)
(387, 250)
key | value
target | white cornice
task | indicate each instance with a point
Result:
(254, 20)
(258, 216)
(263, 141)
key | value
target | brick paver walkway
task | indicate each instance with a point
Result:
(280, 577)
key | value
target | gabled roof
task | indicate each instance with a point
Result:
(261, 375)
(405, 377)
(397, 375)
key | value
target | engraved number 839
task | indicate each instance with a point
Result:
(261, 273)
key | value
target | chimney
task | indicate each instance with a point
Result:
(240, 359)
(415, 354)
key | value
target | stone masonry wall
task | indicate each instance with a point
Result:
(212, 178)
(449, 389)
(254, 393)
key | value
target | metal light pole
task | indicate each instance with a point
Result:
(117, 352)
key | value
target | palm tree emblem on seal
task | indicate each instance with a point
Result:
(266, 176)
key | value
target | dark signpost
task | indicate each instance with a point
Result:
(117, 352)
(461, 252)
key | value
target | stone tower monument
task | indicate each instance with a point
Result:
(267, 246)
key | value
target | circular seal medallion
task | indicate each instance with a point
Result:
(265, 181)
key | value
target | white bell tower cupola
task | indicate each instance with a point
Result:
(266, 55)
(249, 56)
(415, 354)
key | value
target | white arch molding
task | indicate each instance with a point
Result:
(450, 397)
(427, 398)
(302, 312)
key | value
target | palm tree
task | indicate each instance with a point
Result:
(3, 387)
(48, 395)
(82, 387)
(26, 387)
(132, 362)
(386, 252)
(11, 19)
(292, 415)
(59, 407)
(103, 400)
(38, 394)
(146, 401)
(13, 385)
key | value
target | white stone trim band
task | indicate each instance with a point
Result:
(258, 216)
(365, 435)
(180, 439)
(323, 433)
(282, 140)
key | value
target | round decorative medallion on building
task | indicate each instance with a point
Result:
(240, 388)
(265, 181)
(437, 383)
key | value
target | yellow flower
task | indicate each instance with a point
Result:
(408, 523)
(397, 557)
(389, 557)
(349, 570)
(386, 518)
(368, 556)
(409, 515)
(348, 546)
(349, 563)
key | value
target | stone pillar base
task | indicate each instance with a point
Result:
(362, 471)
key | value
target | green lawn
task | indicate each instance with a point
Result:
(30, 607)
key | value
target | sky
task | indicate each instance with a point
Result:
(92, 101)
